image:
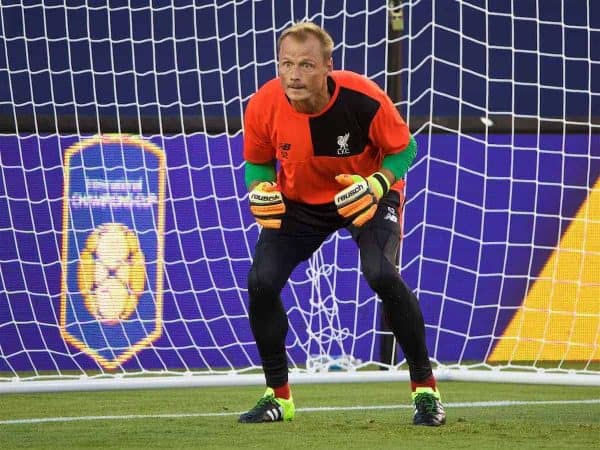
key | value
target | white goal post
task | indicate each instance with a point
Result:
(125, 235)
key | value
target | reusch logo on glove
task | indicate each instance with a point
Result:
(344, 196)
(266, 204)
(265, 198)
(357, 201)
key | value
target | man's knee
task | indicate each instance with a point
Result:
(383, 280)
(386, 282)
(261, 287)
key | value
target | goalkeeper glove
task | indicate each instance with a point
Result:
(359, 199)
(266, 204)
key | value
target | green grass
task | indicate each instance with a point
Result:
(556, 426)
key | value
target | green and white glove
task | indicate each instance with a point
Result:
(358, 200)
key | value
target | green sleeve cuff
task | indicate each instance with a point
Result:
(398, 163)
(259, 172)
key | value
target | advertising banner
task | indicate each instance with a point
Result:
(113, 230)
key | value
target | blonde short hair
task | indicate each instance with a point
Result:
(301, 30)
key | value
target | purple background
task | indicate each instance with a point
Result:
(482, 216)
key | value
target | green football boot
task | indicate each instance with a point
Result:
(270, 409)
(428, 407)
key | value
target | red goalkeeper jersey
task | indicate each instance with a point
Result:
(352, 134)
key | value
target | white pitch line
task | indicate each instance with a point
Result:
(308, 409)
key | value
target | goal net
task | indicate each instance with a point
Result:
(125, 236)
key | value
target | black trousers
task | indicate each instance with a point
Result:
(304, 228)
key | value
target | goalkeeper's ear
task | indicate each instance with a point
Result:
(255, 173)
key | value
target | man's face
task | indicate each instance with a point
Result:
(302, 69)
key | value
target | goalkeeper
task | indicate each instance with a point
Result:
(342, 151)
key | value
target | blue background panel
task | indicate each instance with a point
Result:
(192, 58)
(467, 249)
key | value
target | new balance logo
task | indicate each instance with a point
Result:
(284, 148)
(391, 215)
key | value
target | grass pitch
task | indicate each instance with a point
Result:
(361, 415)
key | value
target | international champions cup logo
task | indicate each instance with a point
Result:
(112, 273)
(112, 249)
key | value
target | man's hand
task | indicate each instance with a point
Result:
(266, 204)
(359, 199)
